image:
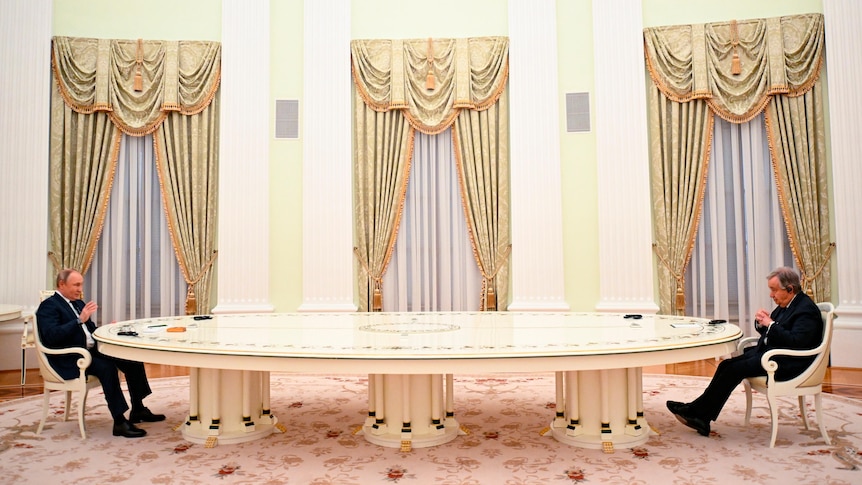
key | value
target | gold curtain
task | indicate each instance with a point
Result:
(383, 145)
(798, 161)
(429, 84)
(738, 68)
(680, 140)
(187, 160)
(136, 85)
(481, 140)
(84, 151)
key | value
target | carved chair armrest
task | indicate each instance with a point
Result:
(771, 366)
(83, 362)
(746, 342)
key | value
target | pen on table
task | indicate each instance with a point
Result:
(156, 326)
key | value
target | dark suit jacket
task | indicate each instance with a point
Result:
(59, 329)
(798, 326)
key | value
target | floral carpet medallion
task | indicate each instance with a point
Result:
(503, 415)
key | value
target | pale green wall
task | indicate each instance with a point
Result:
(285, 168)
(150, 19)
(578, 168)
(414, 19)
(674, 12)
(201, 20)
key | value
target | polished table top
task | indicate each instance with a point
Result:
(419, 342)
(10, 312)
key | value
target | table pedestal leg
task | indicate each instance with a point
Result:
(228, 406)
(408, 411)
(603, 409)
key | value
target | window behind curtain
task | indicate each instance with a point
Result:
(432, 266)
(741, 236)
(134, 273)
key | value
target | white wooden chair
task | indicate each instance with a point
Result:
(810, 382)
(53, 382)
(27, 342)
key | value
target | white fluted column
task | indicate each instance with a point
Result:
(534, 123)
(327, 203)
(25, 54)
(844, 61)
(625, 220)
(243, 234)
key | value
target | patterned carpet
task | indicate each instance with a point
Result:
(503, 413)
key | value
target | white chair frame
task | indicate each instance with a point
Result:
(810, 382)
(53, 382)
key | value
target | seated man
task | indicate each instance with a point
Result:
(64, 321)
(794, 324)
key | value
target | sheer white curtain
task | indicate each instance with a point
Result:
(432, 266)
(741, 237)
(134, 273)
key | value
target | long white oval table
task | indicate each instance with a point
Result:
(411, 358)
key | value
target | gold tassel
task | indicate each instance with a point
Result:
(430, 81)
(491, 300)
(139, 59)
(191, 301)
(680, 300)
(735, 67)
(377, 300)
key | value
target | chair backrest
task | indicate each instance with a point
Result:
(817, 371)
(48, 372)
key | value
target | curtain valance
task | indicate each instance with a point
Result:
(136, 82)
(462, 73)
(736, 66)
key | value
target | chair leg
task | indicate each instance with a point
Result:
(803, 411)
(46, 403)
(68, 405)
(82, 404)
(818, 406)
(773, 412)
(23, 366)
(747, 387)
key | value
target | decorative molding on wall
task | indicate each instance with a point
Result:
(536, 195)
(626, 281)
(25, 45)
(844, 56)
(327, 203)
(243, 234)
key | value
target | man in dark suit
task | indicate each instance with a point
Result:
(65, 321)
(794, 324)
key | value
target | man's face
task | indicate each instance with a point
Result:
(73, 287)
(778, 293)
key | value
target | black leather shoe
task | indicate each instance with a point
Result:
(128, 430)
(145, 416)
(698, 424)
(677, 407)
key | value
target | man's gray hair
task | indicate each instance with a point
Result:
(63, 275)
(788, 278)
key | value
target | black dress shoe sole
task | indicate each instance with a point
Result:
(131, 434)
(147, 419)
(697, 424)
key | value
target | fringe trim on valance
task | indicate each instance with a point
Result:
(757, 106)
(448, 119)
(115, 117)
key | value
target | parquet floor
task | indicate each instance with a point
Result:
(839, 381)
